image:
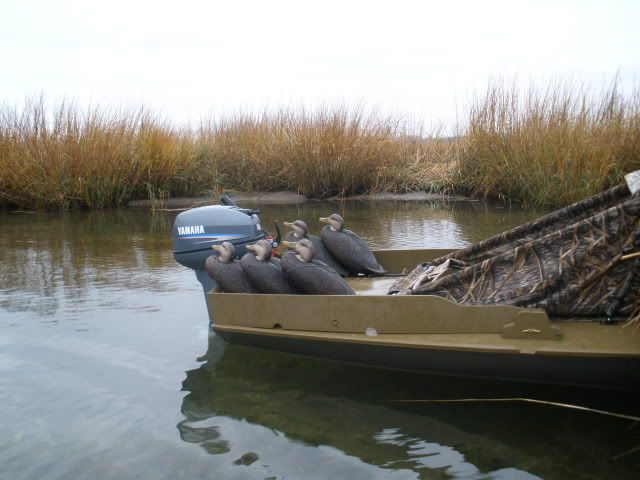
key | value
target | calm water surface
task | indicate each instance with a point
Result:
(108, 370)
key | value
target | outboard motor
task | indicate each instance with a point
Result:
(196, 230)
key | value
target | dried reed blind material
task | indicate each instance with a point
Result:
(577, 261)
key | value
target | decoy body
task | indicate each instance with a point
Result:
(348, 248)
(320, 252)
(227, 271)
(311, 276)
(263, 271)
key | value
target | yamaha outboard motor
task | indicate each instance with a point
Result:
(196, 230)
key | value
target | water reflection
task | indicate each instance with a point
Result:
(408, 224)
(77, 262)
(350, 409)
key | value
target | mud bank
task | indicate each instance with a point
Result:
(289, 198)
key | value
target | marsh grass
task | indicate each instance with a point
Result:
(326, 153)
(101, 158)
(549, 147)
(543, 148)
(93, 159)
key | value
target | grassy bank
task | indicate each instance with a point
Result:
(549, 147)
(543, 148)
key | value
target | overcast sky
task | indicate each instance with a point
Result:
(192, 58)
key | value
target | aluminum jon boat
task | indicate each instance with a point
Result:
(431, 334)
(548, 301)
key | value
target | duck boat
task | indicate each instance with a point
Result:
(568, 326)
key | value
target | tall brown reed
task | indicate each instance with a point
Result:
(329, 152)
(544, 148)
(549, 147)
(104, 158)
(95, 159)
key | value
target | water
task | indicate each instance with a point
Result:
(108, 370)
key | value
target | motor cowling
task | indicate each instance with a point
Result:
(196, 230)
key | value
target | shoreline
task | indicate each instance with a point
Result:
(289, 198)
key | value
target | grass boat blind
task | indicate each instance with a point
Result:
(581, 260)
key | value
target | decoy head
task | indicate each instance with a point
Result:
(304, 249)
(299, 227)
(226, 251)
(335, 220)
(261, 248)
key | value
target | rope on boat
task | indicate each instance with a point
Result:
(524, 400)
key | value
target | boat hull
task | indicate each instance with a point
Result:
(610, 372)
